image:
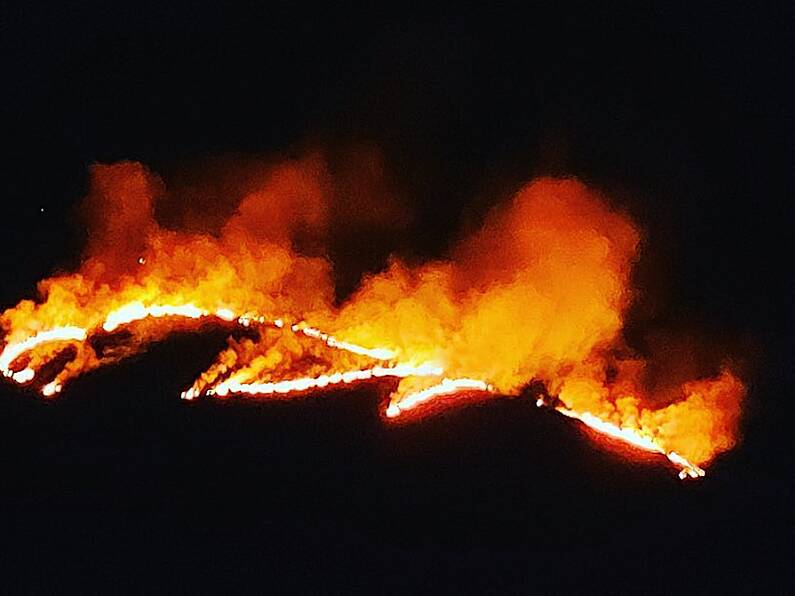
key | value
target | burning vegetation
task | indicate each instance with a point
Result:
(538, 294)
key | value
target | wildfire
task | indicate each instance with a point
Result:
(537, 294)
(633, 437)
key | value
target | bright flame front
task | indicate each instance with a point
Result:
(538, 293)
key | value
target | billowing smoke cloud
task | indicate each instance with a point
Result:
(538, 293)
(536, 290)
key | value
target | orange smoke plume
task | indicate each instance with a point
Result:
(135, 269)
(539, 293)
(539, 288)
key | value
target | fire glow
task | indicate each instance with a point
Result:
(537, 294)
(633, 437)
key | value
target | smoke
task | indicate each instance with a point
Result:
(538, 293)
(536, 290)
(304, 200)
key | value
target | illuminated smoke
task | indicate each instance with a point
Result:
(538, 293)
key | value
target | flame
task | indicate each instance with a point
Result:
(135, 311)
(13, 350)
(444, 387)
(377, 353)
(538, 293)
(51, 389)
(634, 437)
(700, 423)
(129, 313)
(298, 385)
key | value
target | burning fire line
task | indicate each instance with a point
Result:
(127, 314)
(12, 351)
(303, 384)
(548, 275)
(445, 387)
(136, 311)
(376, 353)
(633, 437)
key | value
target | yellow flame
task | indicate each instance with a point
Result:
(535, 294)
(333, 342)
(445, 387)
(135, 311)
(303, 384)
(634, 437)
(131, 312)
(13, 350)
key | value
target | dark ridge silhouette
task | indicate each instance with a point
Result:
(121, 464)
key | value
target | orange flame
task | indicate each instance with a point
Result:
(444, 387)
(634, 437)
(538, 293)
(306, 383)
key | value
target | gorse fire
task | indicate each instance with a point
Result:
(538, 294)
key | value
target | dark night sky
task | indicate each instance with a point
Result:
(682, 114)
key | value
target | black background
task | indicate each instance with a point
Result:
(682, 114)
